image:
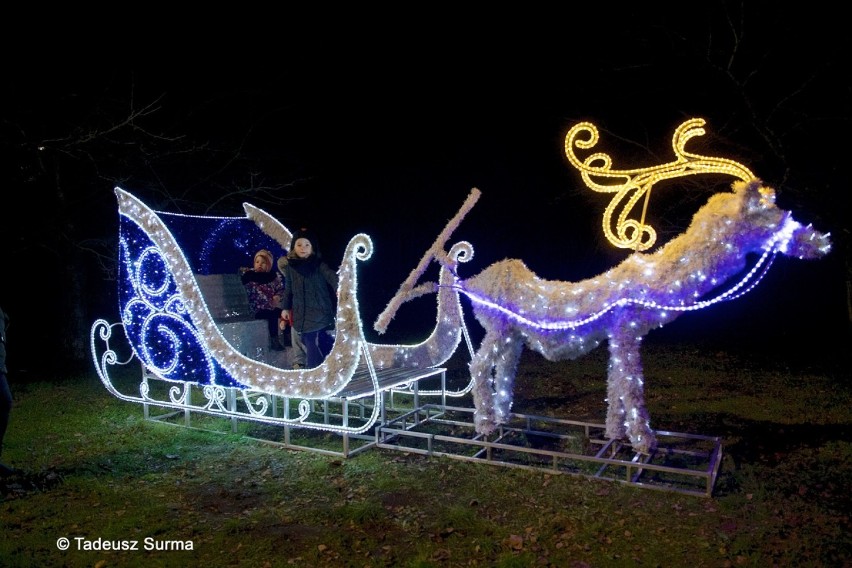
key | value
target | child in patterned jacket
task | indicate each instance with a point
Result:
(265, 288)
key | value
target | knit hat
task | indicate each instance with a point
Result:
(304, 233)
(267, 255)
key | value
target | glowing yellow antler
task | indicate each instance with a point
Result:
(630, 233)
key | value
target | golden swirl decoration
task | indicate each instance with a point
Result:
(632, 233)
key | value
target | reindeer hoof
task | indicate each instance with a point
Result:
(645, 444)
(484, 424)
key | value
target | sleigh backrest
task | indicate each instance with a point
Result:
(225, 296)
(227, 301)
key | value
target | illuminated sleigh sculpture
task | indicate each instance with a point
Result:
(173, 333)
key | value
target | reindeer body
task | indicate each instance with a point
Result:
(564, 320)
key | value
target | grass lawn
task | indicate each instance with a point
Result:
(99, 475)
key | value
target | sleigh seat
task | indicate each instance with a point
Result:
(227, 301)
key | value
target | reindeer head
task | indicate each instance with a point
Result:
(768, 227)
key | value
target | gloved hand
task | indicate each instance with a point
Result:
(285, 319)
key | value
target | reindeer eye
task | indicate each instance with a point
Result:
(767, 196)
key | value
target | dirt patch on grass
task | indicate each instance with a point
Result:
(227, 501)
(22, 483)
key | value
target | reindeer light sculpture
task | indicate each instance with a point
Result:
(565, 320)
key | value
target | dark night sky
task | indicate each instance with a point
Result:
(394, 145)
(390, 125)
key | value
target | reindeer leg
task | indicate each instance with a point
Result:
(626, 414)
(504, 375)
(482, 368)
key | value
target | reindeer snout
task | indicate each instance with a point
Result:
(808, 243)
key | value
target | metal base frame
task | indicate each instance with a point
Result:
(684, 463)
(282, 434)
(340, 426)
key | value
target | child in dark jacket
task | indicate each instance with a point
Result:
(310, 297)
(265, 289)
